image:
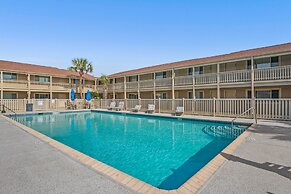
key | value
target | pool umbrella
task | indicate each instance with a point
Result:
(88, 95)
(72, 94)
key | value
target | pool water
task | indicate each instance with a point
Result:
(164, 152)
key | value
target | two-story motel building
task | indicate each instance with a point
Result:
(261, 73)
(27, 81)
(255, 73)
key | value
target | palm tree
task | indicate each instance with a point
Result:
(81, 66)
(105, 82)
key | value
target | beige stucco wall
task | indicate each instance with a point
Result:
(60, 80)
(60, 95)
(146, 76)
(239, 65)
(146, 95)
(181, 72)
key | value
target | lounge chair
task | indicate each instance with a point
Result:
(70, 105)
(112, 106)
(136, 108)
(119, 107)
(179, 110)
(151, 108)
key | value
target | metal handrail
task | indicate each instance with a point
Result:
(3, 109)
(252, 108)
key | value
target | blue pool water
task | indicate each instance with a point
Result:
(164, 152)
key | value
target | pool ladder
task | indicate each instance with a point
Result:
(254, 113)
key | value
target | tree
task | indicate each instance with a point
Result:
(105, 82)
(81, 66)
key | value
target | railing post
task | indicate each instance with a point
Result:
(125, 103)
(159, 105)
(101, 103)
(214, 107)
(183, 102)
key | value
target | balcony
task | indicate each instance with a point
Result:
(119, 86)
(61, 86)
(183, 80)
(235, 76)
(146, 83)
(131, 85)
(274, 73)
(40, 85)
(202, 79)
(164, 82)
(15, 84)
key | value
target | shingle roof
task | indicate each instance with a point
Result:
(38, 69)
(213, 59)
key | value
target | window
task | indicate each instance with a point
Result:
(41, 79)
(161, 75)
(132, 96)
(190, 71)
(162, 95)
(190, 95)
(9, 96)
(264, 94)
(132, 78)
(41, 96)
(199, 95)
(9, 76)
(198, 70)
(111, 81)
(266, 62)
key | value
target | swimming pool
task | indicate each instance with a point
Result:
(164, 152)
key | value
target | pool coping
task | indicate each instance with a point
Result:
(192, 185)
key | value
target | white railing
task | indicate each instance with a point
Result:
(183, 80)
(274, 73)
(235, 76)
(131, 85)
(146, 84)
(264, 108)
(119, 86)
(210, 78)
(163, 82)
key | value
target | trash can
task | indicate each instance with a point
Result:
(29, 107)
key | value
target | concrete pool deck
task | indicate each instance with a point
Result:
(29, 165)
(248, 169)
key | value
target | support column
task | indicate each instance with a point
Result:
(51, 87)
(70, 86)
(173, 84)
(218, 81)
(253, 102)
(252, 78)
(28, 86)
(155, 87)
(193, 85)
(138, 87)
(124, 85)
(173, 89)
(113, 88)
(1, 86)
(95, 85)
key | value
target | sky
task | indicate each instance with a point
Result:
(119, 35)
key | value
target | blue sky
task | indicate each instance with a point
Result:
(121, 35)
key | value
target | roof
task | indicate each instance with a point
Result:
(38, 69)
(213, 59)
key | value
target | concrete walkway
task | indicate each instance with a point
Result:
(27, 165)
(261, 164)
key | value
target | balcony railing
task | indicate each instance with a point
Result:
(163, 82)
(131, 85)
(119, 86)
(274, 73)
(210, 78)
(183, 80)
(19, 84)
(146, 84)
(235, 76)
